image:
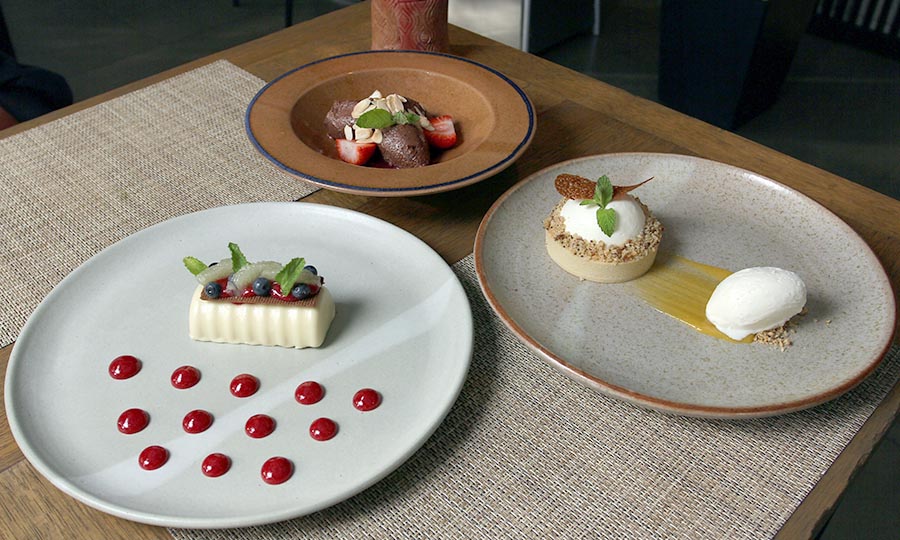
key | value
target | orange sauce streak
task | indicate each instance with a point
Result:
(680, 288)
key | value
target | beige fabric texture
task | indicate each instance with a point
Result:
(527, 453)
(81, 183)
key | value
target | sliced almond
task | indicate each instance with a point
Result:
(394, 103)
(348, 133)
(362, 107)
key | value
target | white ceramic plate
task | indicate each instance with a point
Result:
(605, 336)
(403, 327)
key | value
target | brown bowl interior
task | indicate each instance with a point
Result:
(494, 120)
(473, 116)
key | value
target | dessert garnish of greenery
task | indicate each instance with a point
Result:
(381, 119)
(236, 276)
(600, 193)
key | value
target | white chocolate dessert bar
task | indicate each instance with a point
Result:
(297, 324)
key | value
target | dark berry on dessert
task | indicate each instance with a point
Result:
(213, 289)
(262, 286)
(301, 291)
(311, 269)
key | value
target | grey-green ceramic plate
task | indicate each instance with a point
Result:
(607, 337)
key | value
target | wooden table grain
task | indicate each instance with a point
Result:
(591, 118)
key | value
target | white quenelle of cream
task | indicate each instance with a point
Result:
(581, 220)
(755, 299)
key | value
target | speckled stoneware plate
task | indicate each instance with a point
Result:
(494, 119)
(403, 327)
(607, 337)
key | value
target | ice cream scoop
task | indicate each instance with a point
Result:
(755, 299)
(582, 220)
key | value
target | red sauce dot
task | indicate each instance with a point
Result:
(133, 420)
(366, 399)
(215, 465)
(322, 429)
(124, 367)
(309, 392)
(197, 421)
(153, 457)
(259, 426)
(185, 377)
(277, 470)
(244, 385)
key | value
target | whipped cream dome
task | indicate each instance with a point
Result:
(582, 220)
(755, 299)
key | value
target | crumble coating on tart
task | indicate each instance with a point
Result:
(632, 250)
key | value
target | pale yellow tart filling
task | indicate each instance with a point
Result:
(595, 261)
(287, 324)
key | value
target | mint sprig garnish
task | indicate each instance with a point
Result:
(603, 194)
(375, 119)
(290, 273)
(194, 265)
(402, 117)
(238, 260)
(381, 119)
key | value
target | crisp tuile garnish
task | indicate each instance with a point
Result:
(572, 186)
(621, 190)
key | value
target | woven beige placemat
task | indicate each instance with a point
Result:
(76, 185)
(527, 453)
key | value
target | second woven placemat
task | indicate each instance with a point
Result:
(527, 453)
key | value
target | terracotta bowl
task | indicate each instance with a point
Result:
(494, 119)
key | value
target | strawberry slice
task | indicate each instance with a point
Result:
(443, 135)
(354, 152)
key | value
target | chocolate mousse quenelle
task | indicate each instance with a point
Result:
(397, 127)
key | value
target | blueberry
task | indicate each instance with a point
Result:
(301, 291)
(213, 289)
(311, 268)
(262, 286)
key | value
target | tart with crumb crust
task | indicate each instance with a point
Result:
(599, 232)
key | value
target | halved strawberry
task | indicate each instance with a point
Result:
(354, 152)
(443, 135)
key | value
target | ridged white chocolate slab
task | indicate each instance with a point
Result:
(605, 336)
(403, 326)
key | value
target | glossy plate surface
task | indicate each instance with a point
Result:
(403, 327)
(495, 120)
(607, 337)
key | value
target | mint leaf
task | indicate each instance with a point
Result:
(238, 260)
(194, 265)
(586, 202)
(289, 274)
(606, 219)
(402, 118)
(604, 191)
(375, 119)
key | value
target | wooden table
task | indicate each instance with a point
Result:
(592, 118)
